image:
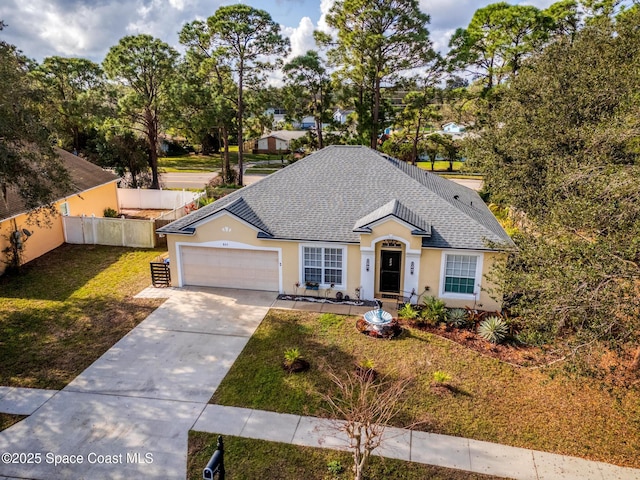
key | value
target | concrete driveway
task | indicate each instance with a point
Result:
(128, 414)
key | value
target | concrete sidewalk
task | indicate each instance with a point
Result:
(23, 401)
(422, 447)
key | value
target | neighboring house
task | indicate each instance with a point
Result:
(279, 114)
(345, 217)
(452, 127)
(307, 123)
(167, 142)
(92, 190)
(277, 142)
(341, 116)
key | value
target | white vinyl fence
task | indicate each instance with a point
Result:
(126, 232)
(155, 199)
(110, 231)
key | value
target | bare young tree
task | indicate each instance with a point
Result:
(366, 406)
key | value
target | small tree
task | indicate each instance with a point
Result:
(366, 406)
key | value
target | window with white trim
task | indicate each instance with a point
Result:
(460, 274)
(323, 265)
(64, 209)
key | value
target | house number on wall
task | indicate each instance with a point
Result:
(225, 244)
(391, 244)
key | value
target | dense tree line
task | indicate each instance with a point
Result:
(561, 150)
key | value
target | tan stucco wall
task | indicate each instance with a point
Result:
(227, 228)
(46, 238)
(430, 275)
(94, 201)
(392, 230)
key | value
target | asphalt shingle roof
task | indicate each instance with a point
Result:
(394, 209)
(329, 194)
(84, 176)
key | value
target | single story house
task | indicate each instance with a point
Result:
(277, 142)
(347, 218)
(92, 190)
(341, 116)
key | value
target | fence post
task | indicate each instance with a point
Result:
(94, 229)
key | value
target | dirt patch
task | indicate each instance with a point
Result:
(148, 214)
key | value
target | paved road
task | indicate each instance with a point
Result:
(471, 183)
(186, 180)
(199, 180)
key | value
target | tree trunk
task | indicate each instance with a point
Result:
(152, 140)
(319, 122)
(226, 162)
(240, 114)
(416, 138)
(376, 112)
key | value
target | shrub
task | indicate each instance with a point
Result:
(291, 355)
(493, 329)
(441, 377)
(367, 364)
(204, 201)
(433, 311)
(335, 467)
(407, 311)
(457, 317)
(110, 213)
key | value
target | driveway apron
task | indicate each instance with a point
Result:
(129, 413)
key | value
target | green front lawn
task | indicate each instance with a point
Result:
(440, 166)
(210, 163)
(491, 400)
(190, 163)
(68, 308)
(250, 459)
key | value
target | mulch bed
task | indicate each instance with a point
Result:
(520, 355)
(297, 366)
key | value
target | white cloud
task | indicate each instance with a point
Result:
(325, 6)
(301, 37)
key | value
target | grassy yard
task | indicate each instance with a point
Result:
(209, 163)
(66, 309)
(7, 419)
(440, 166)
(491, 400)
(250, 459)
(190, 163)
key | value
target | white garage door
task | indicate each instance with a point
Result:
(232, 268)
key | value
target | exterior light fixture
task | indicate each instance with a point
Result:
(412, 267)
(367, 265)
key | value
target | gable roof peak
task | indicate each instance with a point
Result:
(394, 208)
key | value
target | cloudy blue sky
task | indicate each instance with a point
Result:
(88, 28)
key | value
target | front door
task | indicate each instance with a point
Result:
(390, 271)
